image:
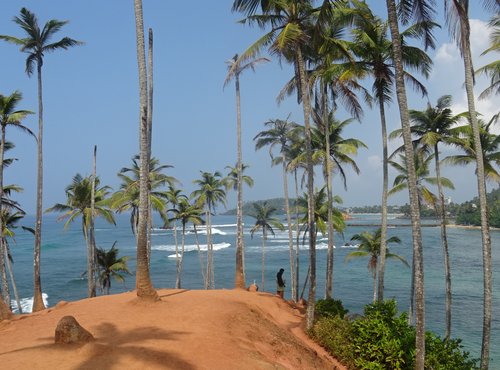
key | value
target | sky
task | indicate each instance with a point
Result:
(90, 95)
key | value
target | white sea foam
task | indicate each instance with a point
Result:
(189, 247)
(27, 304)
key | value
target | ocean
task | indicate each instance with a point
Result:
(64, 260)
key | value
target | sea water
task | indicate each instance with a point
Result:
(63, 262)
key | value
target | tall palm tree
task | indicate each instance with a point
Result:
(210, 192)
(264, 220)
(375, 52)
(334, 153)
(36, 44)
(291, 22)
(370, 246)
(144, 285)
(392, 16)
(109, 265)
(78, 204)
(11, 117)
(174, 197)
(457, 17)
(235, 69)
(185, 213)
(431, 127)
(279, 134)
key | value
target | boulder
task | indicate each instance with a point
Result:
(68, 330)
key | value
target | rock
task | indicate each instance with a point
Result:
(253, 288)
(68, 330)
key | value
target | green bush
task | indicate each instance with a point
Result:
(330, 307)
(443, 354)
(383, 340)
(335, 333)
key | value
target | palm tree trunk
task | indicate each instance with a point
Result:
(374, 287)
(306, 104)
(329, 259)
(5, 313)
(385, 185)
(297, 241)
(210, 261)
(199, 254)
(444, 239)
(150, 132)
(143, 280)
(13, 281)
(481, 185)
(91, 261)
(412, 187)
(263, 257)
(3, 274)
(239, 279)
(177, 262)
(3, 249)
(290, 232)
(183, 243)
(38, 304)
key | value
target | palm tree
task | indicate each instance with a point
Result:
(9, 116)
(463, 139)
(492, 69)
(334, 153)
(431, 127)
(280, 134)
(9, 221)
(457, 17)
(36, 44)
(264, 220)
(78, 204)
(127, 198)
(235, 69)
(144, 285)
(291, 22)
(210, 192)
(375, 52)
(109, 265)
(185, 213)
(425, 196)
(399, 74)
(370, 246)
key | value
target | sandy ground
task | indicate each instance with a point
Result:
(187, 329)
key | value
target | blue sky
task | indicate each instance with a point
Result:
(91, 98)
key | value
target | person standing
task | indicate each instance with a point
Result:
(280, 290)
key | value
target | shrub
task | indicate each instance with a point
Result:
(443, 354)
(382, 340)
(335, 334)
(330, 307)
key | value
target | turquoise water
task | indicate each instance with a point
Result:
(64, 260)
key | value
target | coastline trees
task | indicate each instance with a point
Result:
(264, 221)
(36, 44)
(79, 204)
(235, 69)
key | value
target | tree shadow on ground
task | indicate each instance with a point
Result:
(111, 345)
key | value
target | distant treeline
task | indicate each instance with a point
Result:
(466, 213)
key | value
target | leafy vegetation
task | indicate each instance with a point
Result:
(382, 339)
